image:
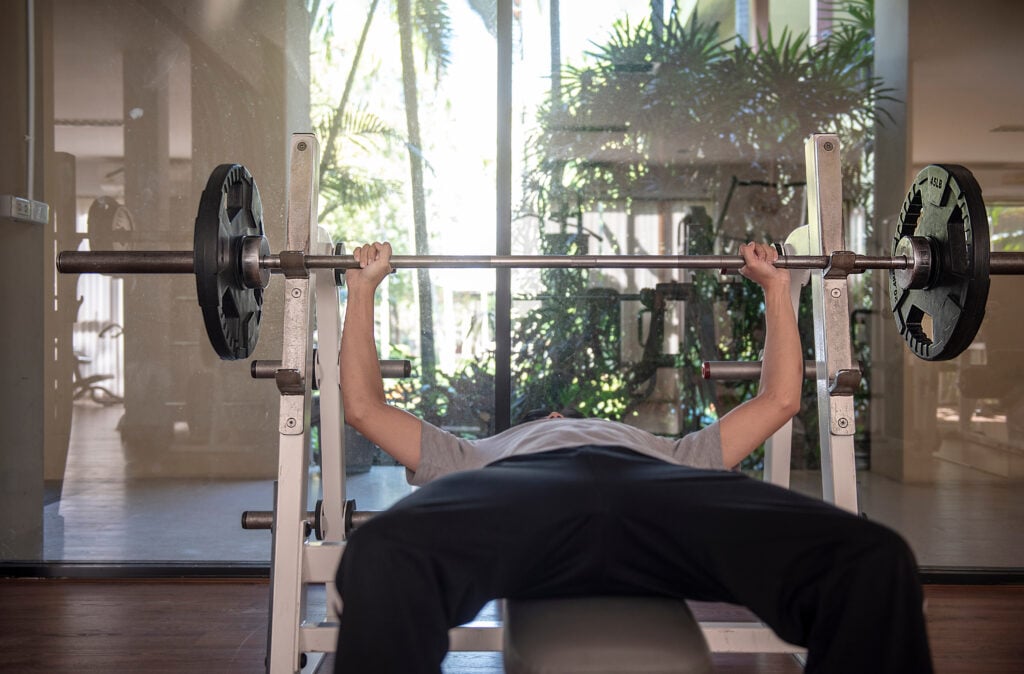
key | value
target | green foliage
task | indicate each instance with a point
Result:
(461, 402)
(658, 112)
(358, 133)
(642, 91)
(567, 355)
(1007, 228)
(432, 26)
(855, 15)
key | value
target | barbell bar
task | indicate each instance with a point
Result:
(182, 262)
(940, 264)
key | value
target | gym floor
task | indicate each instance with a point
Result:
(100, 515)
(60, 626)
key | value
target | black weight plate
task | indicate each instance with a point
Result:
(229, 210)
(945, 205)
(110, 225)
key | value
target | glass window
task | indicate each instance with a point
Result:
(629, 127)
(160, 445)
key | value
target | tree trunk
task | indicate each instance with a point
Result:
(426, 303)
(330, 143)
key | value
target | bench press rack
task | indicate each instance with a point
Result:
(311, 301)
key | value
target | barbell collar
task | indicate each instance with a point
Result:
(920, 252)
(253, 250)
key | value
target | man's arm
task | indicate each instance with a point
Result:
(744, 428)
(362, 390)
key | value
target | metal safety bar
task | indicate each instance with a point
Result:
(731, 370)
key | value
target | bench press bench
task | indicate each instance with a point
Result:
(603, 635)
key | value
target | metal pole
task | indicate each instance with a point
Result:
(717, 262)
(126, 262)
(181, 262)
(832, 344)
(1005, 263)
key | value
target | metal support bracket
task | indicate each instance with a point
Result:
(287, 592)
(832, 345)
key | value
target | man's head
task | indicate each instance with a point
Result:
(534, 415)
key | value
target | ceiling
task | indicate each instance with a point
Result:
(966, 98)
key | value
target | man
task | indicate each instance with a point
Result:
(567, 507)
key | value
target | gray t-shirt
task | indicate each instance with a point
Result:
(443, 453)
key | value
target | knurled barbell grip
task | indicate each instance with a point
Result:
(563, 262)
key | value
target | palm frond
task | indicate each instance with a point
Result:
(488, 12)
(432, 25)
(350, 187)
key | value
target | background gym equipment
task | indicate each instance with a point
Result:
(110, 225)
(938, 272)
(940, 256)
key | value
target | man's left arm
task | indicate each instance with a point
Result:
(746, 427)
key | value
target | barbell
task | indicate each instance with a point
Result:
(938, 271)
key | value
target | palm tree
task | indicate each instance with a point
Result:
(436, 33)
(341, 183)
(344, 184)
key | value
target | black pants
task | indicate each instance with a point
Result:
(604, 521)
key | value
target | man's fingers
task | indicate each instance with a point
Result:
(371, 252)
(758, 252)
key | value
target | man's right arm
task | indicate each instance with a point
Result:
(362, 389)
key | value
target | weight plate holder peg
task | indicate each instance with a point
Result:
(943, 231)
(228, 245)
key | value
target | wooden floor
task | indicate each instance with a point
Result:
(221, 626)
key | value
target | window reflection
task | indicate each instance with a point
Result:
(165, 443)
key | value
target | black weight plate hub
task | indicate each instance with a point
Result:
(229, 211)
(945, 206)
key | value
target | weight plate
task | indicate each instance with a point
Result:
(110, 225)
(945, 206)
(229, 211)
